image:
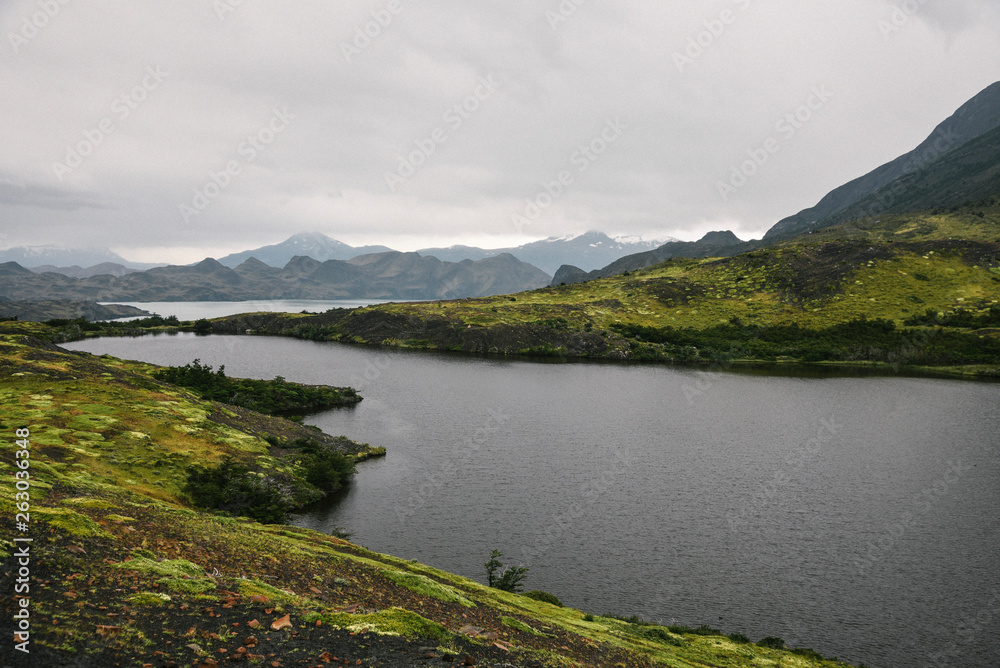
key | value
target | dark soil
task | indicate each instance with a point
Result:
(81, 614)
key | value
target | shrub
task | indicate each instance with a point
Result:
(739, 638)
(702, 630)
(681, 630)
(273, 397)
(659, 634)
(544, 596)
(322, 467)
(499, 577)
(771, 643)
(233, 488)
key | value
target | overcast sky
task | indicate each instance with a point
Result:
(171, 131)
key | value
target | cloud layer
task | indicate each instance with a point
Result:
(172, 132)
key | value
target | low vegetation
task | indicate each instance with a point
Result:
(272, 397)
(242, 489)
(126, 569)
(507, 578)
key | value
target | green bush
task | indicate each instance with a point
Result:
(771, 643)
(273, 397)
(874, 340)
(321, 467)
(659, 634)
(233, 488)
(543, 596)
(739, 638)
(499, 577)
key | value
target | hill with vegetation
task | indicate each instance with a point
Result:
(910, 292)
(128, 568)
(924, 177)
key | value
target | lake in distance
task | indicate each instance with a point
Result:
(857, 516)
(196, 310)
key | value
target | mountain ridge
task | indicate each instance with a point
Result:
(957, 164)
(976, 117)
(311, 244)
(390, 275)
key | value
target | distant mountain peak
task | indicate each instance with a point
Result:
(590, 250)
(52, 255)
(316, 245)
(721, 238)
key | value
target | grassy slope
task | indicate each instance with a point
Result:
(123, 571)
(892, 268)
(760, 286)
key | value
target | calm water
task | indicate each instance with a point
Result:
(855, 516)
(196, 310)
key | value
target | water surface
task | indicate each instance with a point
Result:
(855, 516)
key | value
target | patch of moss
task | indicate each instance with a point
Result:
(257, 588)
(424, 585)
(148, 599)
(521, 626)
(69, 521)
(187, 586)
(394, 621)
(170, 567)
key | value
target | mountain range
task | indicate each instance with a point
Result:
(391, 275)
(306, 244)
(69, 258)
(589, 250)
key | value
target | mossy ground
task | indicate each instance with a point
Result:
(125, 573)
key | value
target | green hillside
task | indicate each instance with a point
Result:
(124, 571)
(907, 291)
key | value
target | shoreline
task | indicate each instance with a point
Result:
(782, 367)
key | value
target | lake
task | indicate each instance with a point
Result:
(856, 516)
(196, 310)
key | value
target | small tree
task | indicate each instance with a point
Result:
(499, 577)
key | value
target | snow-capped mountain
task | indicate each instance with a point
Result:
(307, 244)
(587, 251)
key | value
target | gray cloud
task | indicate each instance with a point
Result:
(46, 197)
(175, 106)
